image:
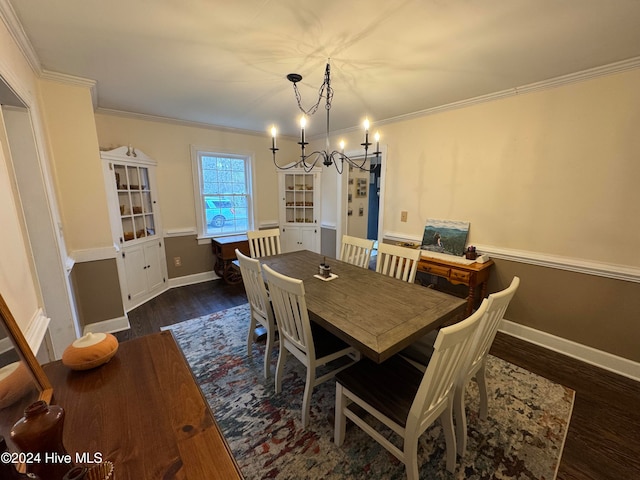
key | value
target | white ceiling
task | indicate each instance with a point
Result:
(225, 62)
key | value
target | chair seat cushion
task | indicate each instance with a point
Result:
(389, 387)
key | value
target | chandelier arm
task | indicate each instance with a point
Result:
(325, 91)
(357, 164)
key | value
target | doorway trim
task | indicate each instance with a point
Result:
(343, 192)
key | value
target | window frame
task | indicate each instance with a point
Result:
(197, 152)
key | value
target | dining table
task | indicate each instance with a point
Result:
(377, 314)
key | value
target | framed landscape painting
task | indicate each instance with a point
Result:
(445, 236)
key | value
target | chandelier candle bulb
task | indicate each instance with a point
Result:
(366, 133)
(303, 123)
(273, 137)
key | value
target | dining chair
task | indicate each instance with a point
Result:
(404, 398)
(356, 251)
(398, 262)
(420, 353)
(259, 305)
(263, 243)
(311, 344)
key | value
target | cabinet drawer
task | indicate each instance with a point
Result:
(460, 276)
(435, 270)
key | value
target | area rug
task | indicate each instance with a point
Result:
(522, 437)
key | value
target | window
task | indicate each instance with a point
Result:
(222, 186)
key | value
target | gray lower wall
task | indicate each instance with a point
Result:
(328, 242)
(97, 291)
(195, 258)
(590, 310)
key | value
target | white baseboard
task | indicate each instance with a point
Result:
(191, 279)
(37, 329)
(590, 355)
(108, 326)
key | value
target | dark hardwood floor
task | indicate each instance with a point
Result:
(603, 441)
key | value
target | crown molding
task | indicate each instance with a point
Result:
(73, 80)
(14, 26)
(176, 121)
(9, 17)
(610, 69)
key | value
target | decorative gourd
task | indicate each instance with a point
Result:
(90, 351)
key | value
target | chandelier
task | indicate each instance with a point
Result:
(337, 158)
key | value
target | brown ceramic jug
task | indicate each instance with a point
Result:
(40, 432)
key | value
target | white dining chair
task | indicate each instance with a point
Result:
(420, 353)
(263, 243)
(404, 398)
(356, 251)
(398, 262)
(261, 312)
(312, 345)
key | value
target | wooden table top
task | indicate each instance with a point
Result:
(143, 411)
(374, 313)
(230, 239)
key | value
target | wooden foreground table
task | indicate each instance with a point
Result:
(143, 411)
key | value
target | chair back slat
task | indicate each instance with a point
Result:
(254, 284)
(356, 251)
(448, 360)
(497, 304)
(264, 243)
(398, 262)
(292, 317)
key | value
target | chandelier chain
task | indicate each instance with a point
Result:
(326, 157)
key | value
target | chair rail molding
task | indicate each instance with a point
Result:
(180, 232)
(93, 254)
(589, 267)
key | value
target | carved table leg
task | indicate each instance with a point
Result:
(470, 300)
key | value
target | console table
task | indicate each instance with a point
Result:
(224, 248)
(144, 412)
(473, 276)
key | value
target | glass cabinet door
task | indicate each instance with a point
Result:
(135, 201)
(298, 197)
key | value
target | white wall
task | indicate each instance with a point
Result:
(553, 171)
(17, 284)
(169, 144)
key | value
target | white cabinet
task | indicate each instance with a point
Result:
(135, 224)
(299, 210)
(294, 238)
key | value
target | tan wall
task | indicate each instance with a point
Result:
(68, 112)
(553, 171)
(170, 143)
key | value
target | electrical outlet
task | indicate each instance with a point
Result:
(403, 216)
(177, 261)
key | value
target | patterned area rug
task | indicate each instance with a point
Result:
(521, 439)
